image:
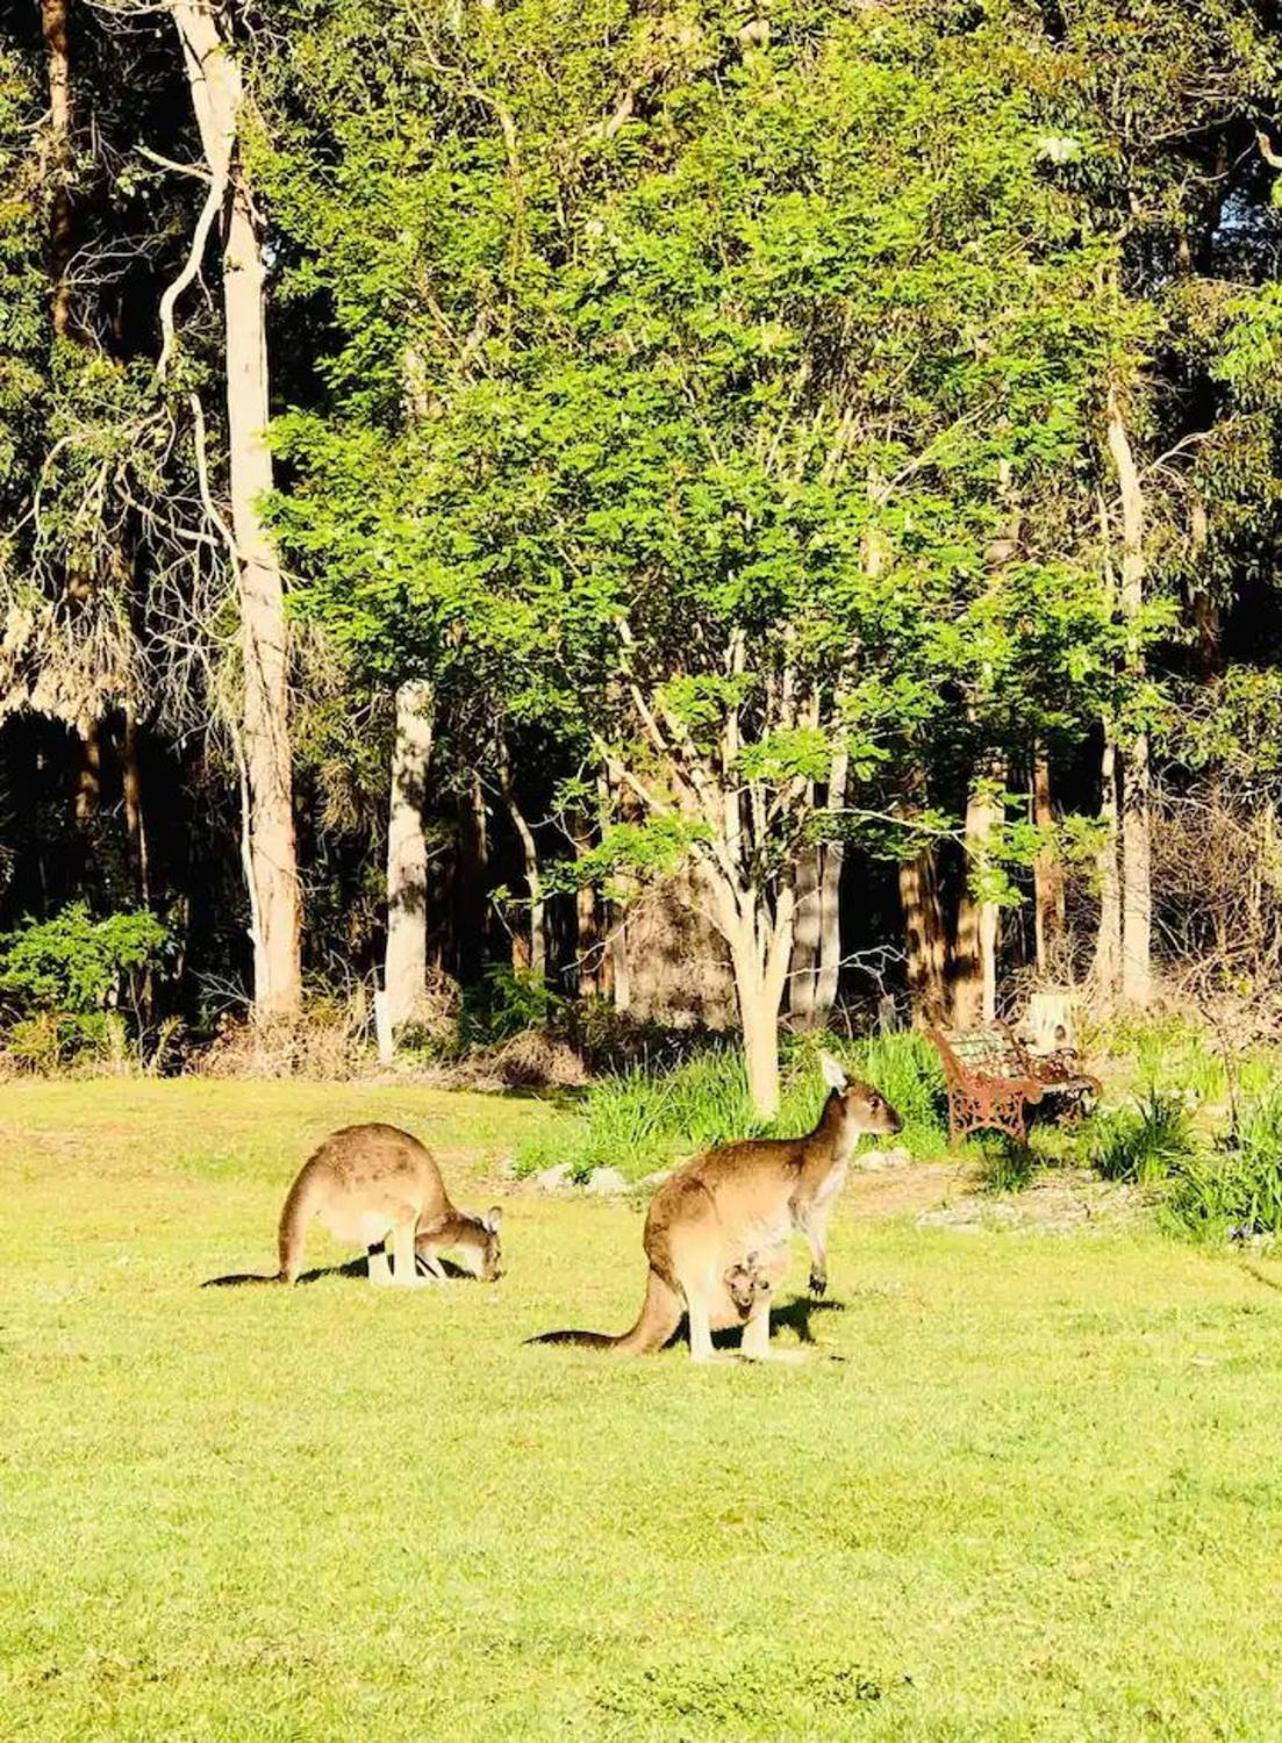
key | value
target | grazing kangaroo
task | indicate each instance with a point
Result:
(717, 1231)
(369, 1183)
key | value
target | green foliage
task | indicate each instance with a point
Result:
(1147, 1142)
(1235, 1190)
(646, 1117)
(1005, 1166)
(49, 1041)
(77, 964)
(1171, 1054)
(507, 1002)
(23, 318)
(676, 384)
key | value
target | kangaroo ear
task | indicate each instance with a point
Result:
(833, 1074)
(493, 1218)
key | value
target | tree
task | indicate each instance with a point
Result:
(266, 768)
(710, 462)
(405, 963)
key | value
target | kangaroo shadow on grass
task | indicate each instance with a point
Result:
(354, 1268)
(791, 1316)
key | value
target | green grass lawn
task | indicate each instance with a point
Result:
(1027, 1486)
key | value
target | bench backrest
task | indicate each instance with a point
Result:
(981, 1052)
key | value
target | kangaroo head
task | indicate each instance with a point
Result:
(745, 1283)
(859, 1107)
(474, 1238)
(485, 1248)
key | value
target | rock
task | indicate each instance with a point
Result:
(607, 1181)
(556, 1179)
(876, 1159)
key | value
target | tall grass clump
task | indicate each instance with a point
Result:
(646, 1118)
(1146, 1142)
(1235, 1190)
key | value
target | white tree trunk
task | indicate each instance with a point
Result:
(214, 79)
(830, 868)
(1048, 870)
(807, 937)
(1137, 891)
(1108, 940)
(760, 951)
(1137, 880)
(816, 949)
(405, 964)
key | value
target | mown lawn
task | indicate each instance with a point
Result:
(1027, 1486)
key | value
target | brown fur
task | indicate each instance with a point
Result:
(377, 1187)
(717, 1231)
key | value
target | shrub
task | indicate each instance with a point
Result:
(646, 1117)
(1237, 1189)
(1166, 1052)
(62, 979)
(1146, 1142)
(47, 1041)
(74, 963)
(507, 1001)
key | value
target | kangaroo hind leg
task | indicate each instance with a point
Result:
(404, 1270)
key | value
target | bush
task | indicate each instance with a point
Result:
(508, 1001)
(1236, 1191)
(1166, 1052)
(74, 963)
(646, 1118)
(63, 979)
(1147, 1142)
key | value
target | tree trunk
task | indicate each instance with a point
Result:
(760, 952)
(975, 958)
(1137, 884)
(1137, 893)
(807, 938)
(1108, 942)
(1048, 871)
(589, 954)
(534, 953)
(88, 771)
(815, 970)
(135, 822)
(617, 984)
(55, 24)
(214, 77)
(757, 994)
(472, 896)
(54, 21)
(760, 1020)
(828, 977)
(405, 964)
(926, 937)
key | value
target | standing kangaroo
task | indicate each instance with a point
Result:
(717, 1231)
(373, 1186)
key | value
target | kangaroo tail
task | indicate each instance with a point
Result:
(294, 1218)
(659, 1317)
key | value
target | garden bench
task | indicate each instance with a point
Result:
(993, 1080)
